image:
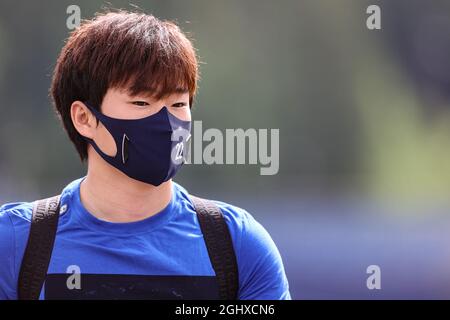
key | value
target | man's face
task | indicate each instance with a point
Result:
(119, 104)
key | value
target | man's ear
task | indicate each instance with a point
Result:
(83, 119)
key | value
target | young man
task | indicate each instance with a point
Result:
(123, 84)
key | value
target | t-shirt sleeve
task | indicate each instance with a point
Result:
(262, 274)
(7, 257)
(261, 271)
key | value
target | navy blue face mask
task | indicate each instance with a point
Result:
(150, 149)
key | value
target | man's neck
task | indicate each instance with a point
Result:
(110, 195)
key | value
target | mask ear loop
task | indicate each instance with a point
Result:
(108, 158)
(92, 110)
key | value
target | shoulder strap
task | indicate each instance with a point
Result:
(44, 221)
(220, 246)
(43, 227)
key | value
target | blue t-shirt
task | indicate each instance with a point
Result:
(163, 256)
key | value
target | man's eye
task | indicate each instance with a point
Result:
(179, 105)
(140, 103)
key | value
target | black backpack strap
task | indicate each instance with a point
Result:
(44, 222)
(220, 246)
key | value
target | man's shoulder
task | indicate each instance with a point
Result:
(235, 216)
(22, 211)
(15, 220)
(16, 211)
(242, 225)
(261, 270)
(14, 228)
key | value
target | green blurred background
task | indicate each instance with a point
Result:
(364, 119)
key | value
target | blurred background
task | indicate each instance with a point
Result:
(364, 119)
